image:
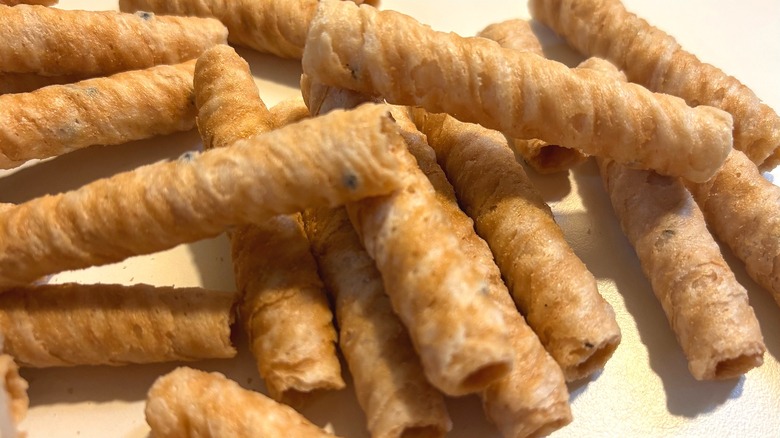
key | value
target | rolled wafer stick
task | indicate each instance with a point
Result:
(90, 43)
(550, 284)
(270, 26)
(705, 305)
(75, 324)
(26, 82)
(284, 309)
(188, 402)
(127, 106)
(519, 94)
(741, 208)
(344, 156)
(653, 58)
(456, 329)
(289, 111)
(541, 156)
(13, 397)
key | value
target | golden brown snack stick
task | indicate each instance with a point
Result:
(75, 324)
(386, 371)
(651, 57)
(13, 397)
(127, 106)
(269, 26)
(456, 329)
(192, 403)
(475, 80)
(550, 284)
(741, 208)
(283, 308)
(344, 156)
(541, 156)
(26, 82)
(93, 43)
(289, 111)
(532, 400)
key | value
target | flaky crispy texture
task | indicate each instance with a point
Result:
(192, 403)
(269, 26)
(13, 397)
(651, 57)
(741, 208)
(93, 43)
(543, 157)
(386, 371)
(456, 329)
(228, 102)
(519, 94)
(26, 82)
(344, 156)
(532, 400)
(74, 324)
(549, 283)
(127, 106)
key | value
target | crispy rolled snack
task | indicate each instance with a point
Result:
(386, 371)
(103, 111)
(13, 396)
(741, 208)
(289, 111)
(90, 43)
(541, 156)
(550, 284)
(344, 156)
(456, 329)
(475, 80)
(26, 82)
(651, 57)
(283, 308)
(192, 403)
(269, 26)
(75, 324)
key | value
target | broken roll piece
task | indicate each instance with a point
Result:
(474, 79)
(13, 397)
(192, 403)
(127, 106)
(74, 324)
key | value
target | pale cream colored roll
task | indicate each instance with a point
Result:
(550, 284)
(386, 371)
(541, 156)
(741, 208)
(74, 324)
(127, 106)
(269, 26)
(13, 397)
(192, 403)
(344, 156)
(26, 82)
(93, 43)
(653, 58)
(519, 94)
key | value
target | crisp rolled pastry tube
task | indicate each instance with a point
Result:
(519, 94)
(26, 82)
(13, 396)
(741, 208)
(93, 43)
(550, 284)
(289, 111)
(75, 324)
(541, 156)
(341, 157)
(653, 58)
(127, 106)
(386, 371)
(192, 403)
(269, 26)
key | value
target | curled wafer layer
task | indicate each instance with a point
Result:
(127, 106)
(188, 402)
(74, 324)
(344, 156)
(519, 94)
(653, 58)
(90, 43)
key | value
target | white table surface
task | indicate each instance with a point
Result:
(645, 389)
